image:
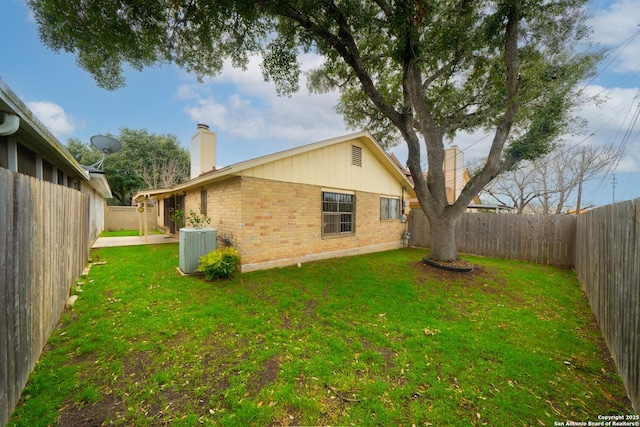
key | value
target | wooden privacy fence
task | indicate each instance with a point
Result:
(44, 245)
(126, 218)
(540, 239)
(608, 266)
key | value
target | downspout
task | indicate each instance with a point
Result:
(10, 124)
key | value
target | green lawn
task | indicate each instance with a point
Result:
(378, 339)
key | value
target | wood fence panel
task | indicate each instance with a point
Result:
(6, 271)
(608, 266)
(44, 246)
(533, 238)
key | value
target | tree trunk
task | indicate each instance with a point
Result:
(443, 237)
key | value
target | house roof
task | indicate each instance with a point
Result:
(236, 169)
(34, 135)
(98, 180)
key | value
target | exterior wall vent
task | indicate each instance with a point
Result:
(356, 155)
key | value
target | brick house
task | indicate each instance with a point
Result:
(338, 197)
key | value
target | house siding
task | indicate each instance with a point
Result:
(332, 167)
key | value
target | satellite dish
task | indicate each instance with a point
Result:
(106, 145)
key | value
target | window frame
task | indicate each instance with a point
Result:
(345, 207)
(385, 208)
(203, 202)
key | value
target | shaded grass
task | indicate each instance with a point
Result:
(379, 339)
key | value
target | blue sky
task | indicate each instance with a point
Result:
(251, 120)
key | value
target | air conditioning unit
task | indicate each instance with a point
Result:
(194, 243)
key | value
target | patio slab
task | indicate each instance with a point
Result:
(154, 239)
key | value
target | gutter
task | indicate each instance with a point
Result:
(10, 125)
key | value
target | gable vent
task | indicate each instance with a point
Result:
(356, 155)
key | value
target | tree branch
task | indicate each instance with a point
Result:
(495, 164)
(344, 44)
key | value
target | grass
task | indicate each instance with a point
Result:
(378, 339)
(124, 233)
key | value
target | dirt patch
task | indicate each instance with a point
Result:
(310, 308)
(386, 353)
(388, 357)
(427, 272)
(291, 418)
(89, 415)
(268, 374)
(286, 323)
(137, 364)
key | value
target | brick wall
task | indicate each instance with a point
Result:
(279, 219)
(274, 223)
(223, 208)
(281, 224)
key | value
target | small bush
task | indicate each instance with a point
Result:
(198, 220)
(219, 264)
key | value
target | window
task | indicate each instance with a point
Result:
(203, 202)
(338, 213)
(389, 208)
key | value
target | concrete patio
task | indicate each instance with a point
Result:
(154, 239)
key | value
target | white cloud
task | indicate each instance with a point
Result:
(54, 118)
(252, 110)
(613, 122)
(615, 25)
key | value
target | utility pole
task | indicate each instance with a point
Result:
(613, 184)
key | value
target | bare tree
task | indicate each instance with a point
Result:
(164, 173)
(515, 188)
(555, 178)
(565, 170)
(595, 161)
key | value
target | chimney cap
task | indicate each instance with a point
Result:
(203, 126)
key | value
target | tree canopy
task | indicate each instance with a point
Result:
(146, 161)
(417, 70)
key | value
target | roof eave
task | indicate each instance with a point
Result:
(32, 126)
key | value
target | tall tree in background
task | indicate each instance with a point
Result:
(419, 70)
(146, 161)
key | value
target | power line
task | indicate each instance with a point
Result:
(624, 45)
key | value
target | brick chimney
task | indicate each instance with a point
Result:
(203, 151)
(453, 172)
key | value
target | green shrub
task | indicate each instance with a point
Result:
(198, 220)
(219, 264)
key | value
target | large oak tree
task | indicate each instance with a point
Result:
(420, 70)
